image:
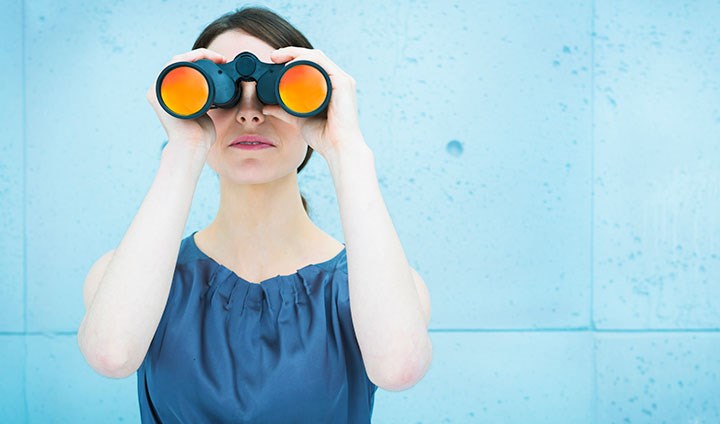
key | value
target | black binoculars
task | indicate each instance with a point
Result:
(187, 90)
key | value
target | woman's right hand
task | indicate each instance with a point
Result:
(198, 132)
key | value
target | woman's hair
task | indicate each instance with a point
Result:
(264, 24)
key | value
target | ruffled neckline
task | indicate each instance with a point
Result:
(327, 265)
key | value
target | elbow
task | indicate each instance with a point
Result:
(107, 363)
(406, 372)
(110, 367)
(401, 380)
(115, 369)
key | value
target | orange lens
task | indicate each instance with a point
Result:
(303, 88)
(184, 90)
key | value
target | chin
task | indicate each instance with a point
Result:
(253, 175)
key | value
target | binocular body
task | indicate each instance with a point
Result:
(187, 90)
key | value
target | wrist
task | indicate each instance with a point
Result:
(354, 149)
(349, 160)
(184, 153)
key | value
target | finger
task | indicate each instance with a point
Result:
(204, 53)
(288, 52)
(197, 54)
(293, 53)
(276, 111)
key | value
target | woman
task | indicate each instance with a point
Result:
(231, 324)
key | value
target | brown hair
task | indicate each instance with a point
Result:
(264, 24)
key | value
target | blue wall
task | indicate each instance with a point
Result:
(552, 169)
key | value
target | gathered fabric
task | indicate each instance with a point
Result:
(227, 350)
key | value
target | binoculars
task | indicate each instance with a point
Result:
(187, 90)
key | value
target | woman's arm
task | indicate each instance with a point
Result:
(389, 305)
(124, 313)
(388, 301)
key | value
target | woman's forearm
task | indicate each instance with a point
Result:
(386, 311)
(124, 314)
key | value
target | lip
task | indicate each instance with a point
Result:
(251, 147)
(251, 137)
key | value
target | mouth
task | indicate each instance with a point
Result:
(246, 146)
(251, 140)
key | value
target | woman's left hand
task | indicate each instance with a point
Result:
(341, 128)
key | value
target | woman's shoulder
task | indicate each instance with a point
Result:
(330, 248)
(329, 251)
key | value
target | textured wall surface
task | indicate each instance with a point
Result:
(552, 169)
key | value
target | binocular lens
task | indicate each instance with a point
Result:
(303, 88)
(184, 90)
(187, 90)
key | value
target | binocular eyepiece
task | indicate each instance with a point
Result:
(187, 90)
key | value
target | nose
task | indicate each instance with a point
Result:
(249, 107)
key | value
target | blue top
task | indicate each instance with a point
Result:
(230, 351)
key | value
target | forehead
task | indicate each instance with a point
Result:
(233, 42)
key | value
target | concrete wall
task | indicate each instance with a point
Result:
(552, 169)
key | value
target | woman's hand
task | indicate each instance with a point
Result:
(198, 132)
(341, 128)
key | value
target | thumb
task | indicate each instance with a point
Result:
(271, 110)
(276, 111)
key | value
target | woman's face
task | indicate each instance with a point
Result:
(251, 166)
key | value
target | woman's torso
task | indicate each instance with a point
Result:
(229, 350)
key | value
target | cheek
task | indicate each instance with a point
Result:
(294, 146)
(211, 114)
(219, 118)
(301, 152)
(212, 157)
